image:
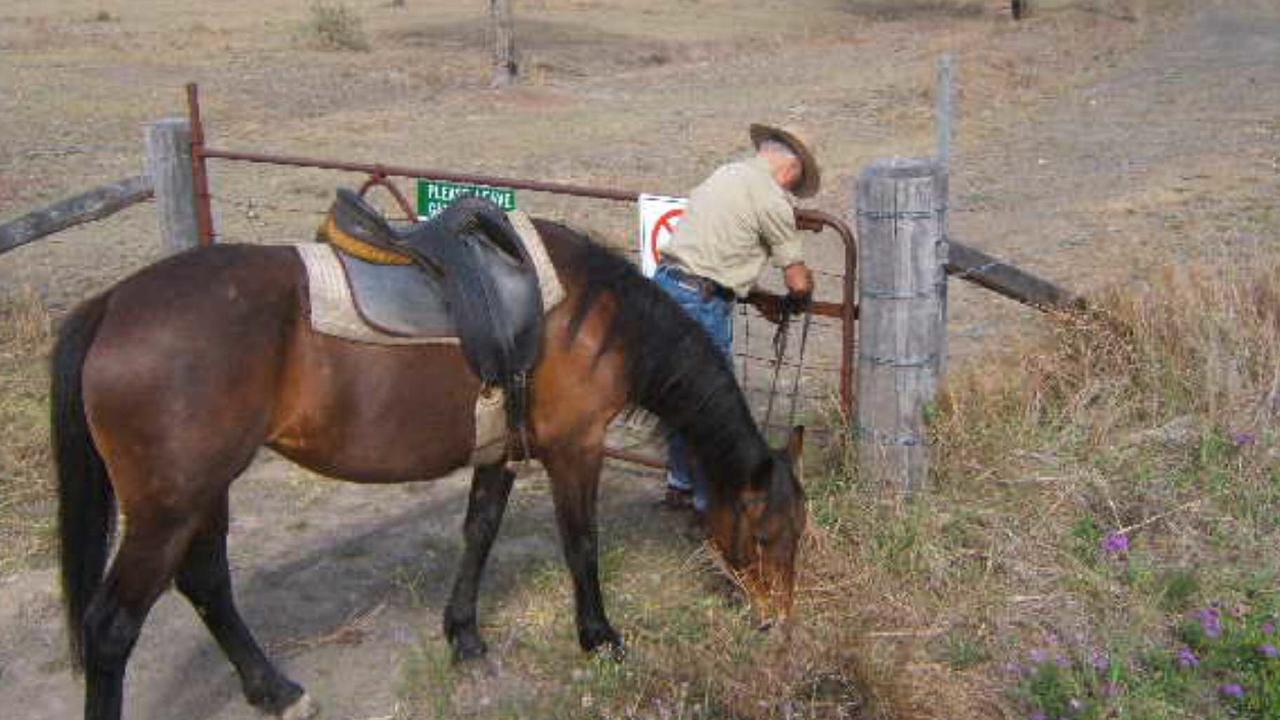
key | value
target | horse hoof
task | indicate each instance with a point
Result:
(613, 651)
(302, 709)
(469, 648)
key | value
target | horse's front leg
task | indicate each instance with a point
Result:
(490, 489)
(575, 476)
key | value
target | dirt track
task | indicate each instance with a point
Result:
(343, 589)
(1171, 156)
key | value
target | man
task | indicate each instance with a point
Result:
(736, 220)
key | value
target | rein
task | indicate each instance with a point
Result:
(779, 354)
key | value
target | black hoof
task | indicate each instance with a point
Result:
(615, 652)
(276, 697)
(604, 642)
(468, 646)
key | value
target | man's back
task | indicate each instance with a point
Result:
(737, 219)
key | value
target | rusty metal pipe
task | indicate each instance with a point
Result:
(814, 220)
(199, 172)
(806, 219)
(410, 172)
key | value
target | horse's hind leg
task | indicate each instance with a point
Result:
(205, 579)
(149, 552)
(490, 489)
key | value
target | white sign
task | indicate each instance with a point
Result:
(659, 216)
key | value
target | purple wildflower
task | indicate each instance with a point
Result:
(1231, 690)
(1243, 438)
(1269, 651)
(1187, 658)
(1268, 628)
(1039, 656)
(1116, 543)
(1100, 661)
(1038, 715)
(1211, 620)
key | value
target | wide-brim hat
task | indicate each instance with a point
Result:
(794, 138)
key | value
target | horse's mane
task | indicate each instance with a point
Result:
(674, 368)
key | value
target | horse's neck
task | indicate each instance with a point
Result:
(676, 371)
(708, 406)
(731, 454)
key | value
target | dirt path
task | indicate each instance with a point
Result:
(345, 587)
(1170, 157)
(340, 583)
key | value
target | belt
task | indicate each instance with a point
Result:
(710, 288)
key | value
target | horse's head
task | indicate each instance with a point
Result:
(757, 529)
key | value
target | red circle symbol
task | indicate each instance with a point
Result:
(666, 223)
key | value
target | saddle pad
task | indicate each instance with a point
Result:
(548, 281)
(333, 310)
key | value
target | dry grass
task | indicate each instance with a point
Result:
(25, 492)
(336, 26)
(908, 610)
(1151, 416)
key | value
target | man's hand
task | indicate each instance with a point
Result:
(794, 304)
(798, 278)
(776, 307)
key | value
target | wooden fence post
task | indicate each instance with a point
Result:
(901, 211)
(169, 165)
(505, 66)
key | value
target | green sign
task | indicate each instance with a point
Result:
(436, 195)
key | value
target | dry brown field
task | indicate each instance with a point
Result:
(1094, 141)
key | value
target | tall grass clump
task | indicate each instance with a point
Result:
(335, 26)
(1126, 461)
(25, 492)
(1101, 539)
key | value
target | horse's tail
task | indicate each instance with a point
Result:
(86, 504)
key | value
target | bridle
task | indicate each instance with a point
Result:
(780, 337)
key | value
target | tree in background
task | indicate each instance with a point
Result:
(505, 67)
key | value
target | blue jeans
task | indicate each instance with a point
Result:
(715, 315)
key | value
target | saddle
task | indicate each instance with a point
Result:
(464, 273)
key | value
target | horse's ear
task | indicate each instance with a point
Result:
(795, 451)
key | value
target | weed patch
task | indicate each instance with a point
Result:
(26, 531)
(335, 26)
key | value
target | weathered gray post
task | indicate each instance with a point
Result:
(505, 66)
(901, 210)
(169, 165)
(946, 130)
(945, 95)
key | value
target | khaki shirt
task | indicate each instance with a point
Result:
(736, 220)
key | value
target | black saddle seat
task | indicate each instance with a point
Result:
(474, 261)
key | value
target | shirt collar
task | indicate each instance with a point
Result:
(761, 164)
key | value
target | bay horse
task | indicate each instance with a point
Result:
(165, 386)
